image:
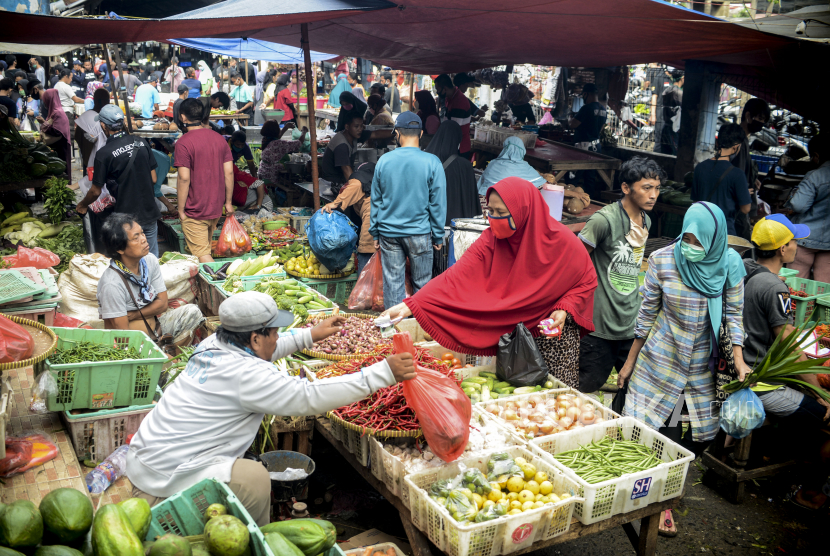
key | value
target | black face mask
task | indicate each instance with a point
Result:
(36, 95)
(755, 127)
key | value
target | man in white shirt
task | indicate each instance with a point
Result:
(210, 415)
(68, 97)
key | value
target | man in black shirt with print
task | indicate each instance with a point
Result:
(128, 168)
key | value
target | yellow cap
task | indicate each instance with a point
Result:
(775, 231)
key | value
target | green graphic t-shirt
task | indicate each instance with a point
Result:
(617, 262)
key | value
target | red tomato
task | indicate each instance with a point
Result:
(456, 362)
(448, 356)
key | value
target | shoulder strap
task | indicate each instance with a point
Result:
(130, 291)
(449, 161)
(717, 183)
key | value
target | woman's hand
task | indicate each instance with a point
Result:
(625, 374)
(399, 311)
(559, 317)
(742, 368)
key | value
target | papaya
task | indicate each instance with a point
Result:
(40, 156)
(331, 532)
(37, 169)
(148, 545)
(171, 545)
(56, 168)
(9, 552)
(308, 535)
(20, 525)
(281, 546)
(112, 533)
(215, 510)
(226, 535)
(67, 514)
(139, 514)
(57, 550)
(199, 550)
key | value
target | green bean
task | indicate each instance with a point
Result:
(608, 458)
(83, 352)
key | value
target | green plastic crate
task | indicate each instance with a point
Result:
(336, 290)
(805, 306)
(183, 514)
(788, 272)
(105, 384)
(822, 312)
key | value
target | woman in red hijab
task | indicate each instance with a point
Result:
(55, 129)
(526, 267)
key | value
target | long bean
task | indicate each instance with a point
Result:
(607, 459)
(83, 352)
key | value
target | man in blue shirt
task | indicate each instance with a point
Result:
(148, 97)
(409, 207)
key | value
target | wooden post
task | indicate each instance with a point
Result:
(117, 60)
(411, 91)
(689, 119)
(312, 122)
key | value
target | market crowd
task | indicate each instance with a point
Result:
(699, 303)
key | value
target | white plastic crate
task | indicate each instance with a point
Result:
(599, 409)
(504, 535)
(631, 491)
(392, 471)
(96, 436)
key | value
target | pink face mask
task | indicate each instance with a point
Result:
(501, 226)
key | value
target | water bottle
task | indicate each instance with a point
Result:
(108, 471)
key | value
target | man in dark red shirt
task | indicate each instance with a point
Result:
(205, 182)
(458, 109)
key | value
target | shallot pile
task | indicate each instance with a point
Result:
(537, 415)
(358, 335)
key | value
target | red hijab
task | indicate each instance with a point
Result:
(499, 283)
(51, 109)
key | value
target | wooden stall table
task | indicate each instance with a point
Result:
(559, 159)
(644, 542)
(243, 118)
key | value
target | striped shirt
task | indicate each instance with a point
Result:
(674, 319)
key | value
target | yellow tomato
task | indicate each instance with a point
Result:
(532, 486)
(512, 496)
(540, 497)
(514, 512)
(527, 506)
(526, 496)
(540, 477)
(515, 484)
(515, 505)
(495, 495)
(478, 500)
(538, 505)
(545, 487)
(529, 471)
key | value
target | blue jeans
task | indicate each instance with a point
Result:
(394, 252)
(151, 232)
(362, 261)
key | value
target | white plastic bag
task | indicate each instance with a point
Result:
(45, 386)
(178, 321)
(180, 279)
(290, 474)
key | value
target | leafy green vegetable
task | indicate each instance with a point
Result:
(57, 196)
(65, 245)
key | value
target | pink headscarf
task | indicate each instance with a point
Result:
(50, 107)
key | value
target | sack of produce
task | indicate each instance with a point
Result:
(332, 238)
(442, 408)
(16, 343)
(233, 241)
(741, 413)
(519, 360)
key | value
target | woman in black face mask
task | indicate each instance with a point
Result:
(717, 181)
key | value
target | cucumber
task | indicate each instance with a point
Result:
(305, 299)
(488, 374)
(472, 385)
(477, 379)
(315, 306)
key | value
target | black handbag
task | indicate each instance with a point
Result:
(725, 371)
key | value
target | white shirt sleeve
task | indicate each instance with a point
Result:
(292, 341)
(267, 390)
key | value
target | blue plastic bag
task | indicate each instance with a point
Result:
(332, 238)
(741, 413)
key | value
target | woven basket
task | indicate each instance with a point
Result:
(363, 430)
(319, 276)
(38, 356)
(336, 356)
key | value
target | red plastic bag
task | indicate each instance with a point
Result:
(27, 452)
(233, 241)
(16, 343)
(37, 257)
(442, 408)
(63, 321)
(368, 290)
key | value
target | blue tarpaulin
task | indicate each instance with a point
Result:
(253, 49)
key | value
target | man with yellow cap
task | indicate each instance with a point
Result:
(767, 310)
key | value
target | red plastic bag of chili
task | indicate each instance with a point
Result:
(442, 408)
(16, 343)
(233, 241)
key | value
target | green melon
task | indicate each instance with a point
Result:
(171, 545)
(9, 552)
(226, 535)
(67, 514)
(20, 525)
(215, 510)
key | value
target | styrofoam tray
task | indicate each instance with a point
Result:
(631, 491)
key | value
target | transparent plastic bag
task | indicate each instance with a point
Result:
(233, 241)
(442, 408)
(16, 343)
(741, 413)
(501, 465)
(45, 386)
(183, 319)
